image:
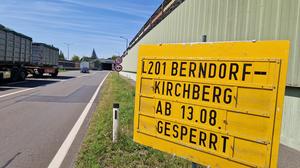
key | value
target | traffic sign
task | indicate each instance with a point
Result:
(119, 60)
(217, 104)
(118, 67)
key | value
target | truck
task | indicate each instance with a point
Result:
(44, 60)
(20, 57)
(84, 67)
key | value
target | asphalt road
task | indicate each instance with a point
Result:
(37, 115)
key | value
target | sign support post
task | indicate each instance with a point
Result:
(204, 39)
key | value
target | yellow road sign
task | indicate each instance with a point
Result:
(217, 104)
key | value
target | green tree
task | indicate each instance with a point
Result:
(61, 56)
(114, 57)
(75, 58)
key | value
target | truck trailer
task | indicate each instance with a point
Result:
(44, 59)
(20, 57)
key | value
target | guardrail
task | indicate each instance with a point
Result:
(161, 13)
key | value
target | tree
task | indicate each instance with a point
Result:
(75, 58)
(94, 55)
(61, 56)
(114, 57)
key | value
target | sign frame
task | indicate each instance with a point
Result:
(276, 51)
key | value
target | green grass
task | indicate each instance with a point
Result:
(62, 70)
(98, 150)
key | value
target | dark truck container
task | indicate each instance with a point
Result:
(18, 59)
(15, 53)
(45, 59)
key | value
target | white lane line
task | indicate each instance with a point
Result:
(64, 148)
(20, 91)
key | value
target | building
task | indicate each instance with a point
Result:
(68, 65)
(94, 55)
(185, 21)
(106, 64)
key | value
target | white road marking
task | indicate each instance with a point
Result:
(64, 148)
(20, 91)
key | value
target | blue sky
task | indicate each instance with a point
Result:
(85, 24)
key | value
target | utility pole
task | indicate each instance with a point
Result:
(126, 41)
(68, 46)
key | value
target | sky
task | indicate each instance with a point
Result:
(84, 24)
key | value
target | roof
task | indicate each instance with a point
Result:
(94, 55)
(6, 29)
(45, 45)
(109, 61)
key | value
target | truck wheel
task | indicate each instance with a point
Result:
(14, 77)
(38, 74)
(54, 75)
(22, 75)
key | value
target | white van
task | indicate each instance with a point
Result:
(84, 67)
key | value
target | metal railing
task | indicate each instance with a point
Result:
(167, 7)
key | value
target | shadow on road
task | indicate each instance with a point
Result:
(49, 77)
(32, 82)
(4, 88)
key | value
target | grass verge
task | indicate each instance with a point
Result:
(98, 150)
(62, 70)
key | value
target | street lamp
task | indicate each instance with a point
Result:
(126, 41)
(118, 53)
(68, 45)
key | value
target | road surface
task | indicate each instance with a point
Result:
(37, 115)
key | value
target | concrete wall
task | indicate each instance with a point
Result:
(232, 20)
(129, 75)
(290, 130)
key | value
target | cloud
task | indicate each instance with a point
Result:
(115, 6)
(47, 23)
(85, 23)
(62, 14)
